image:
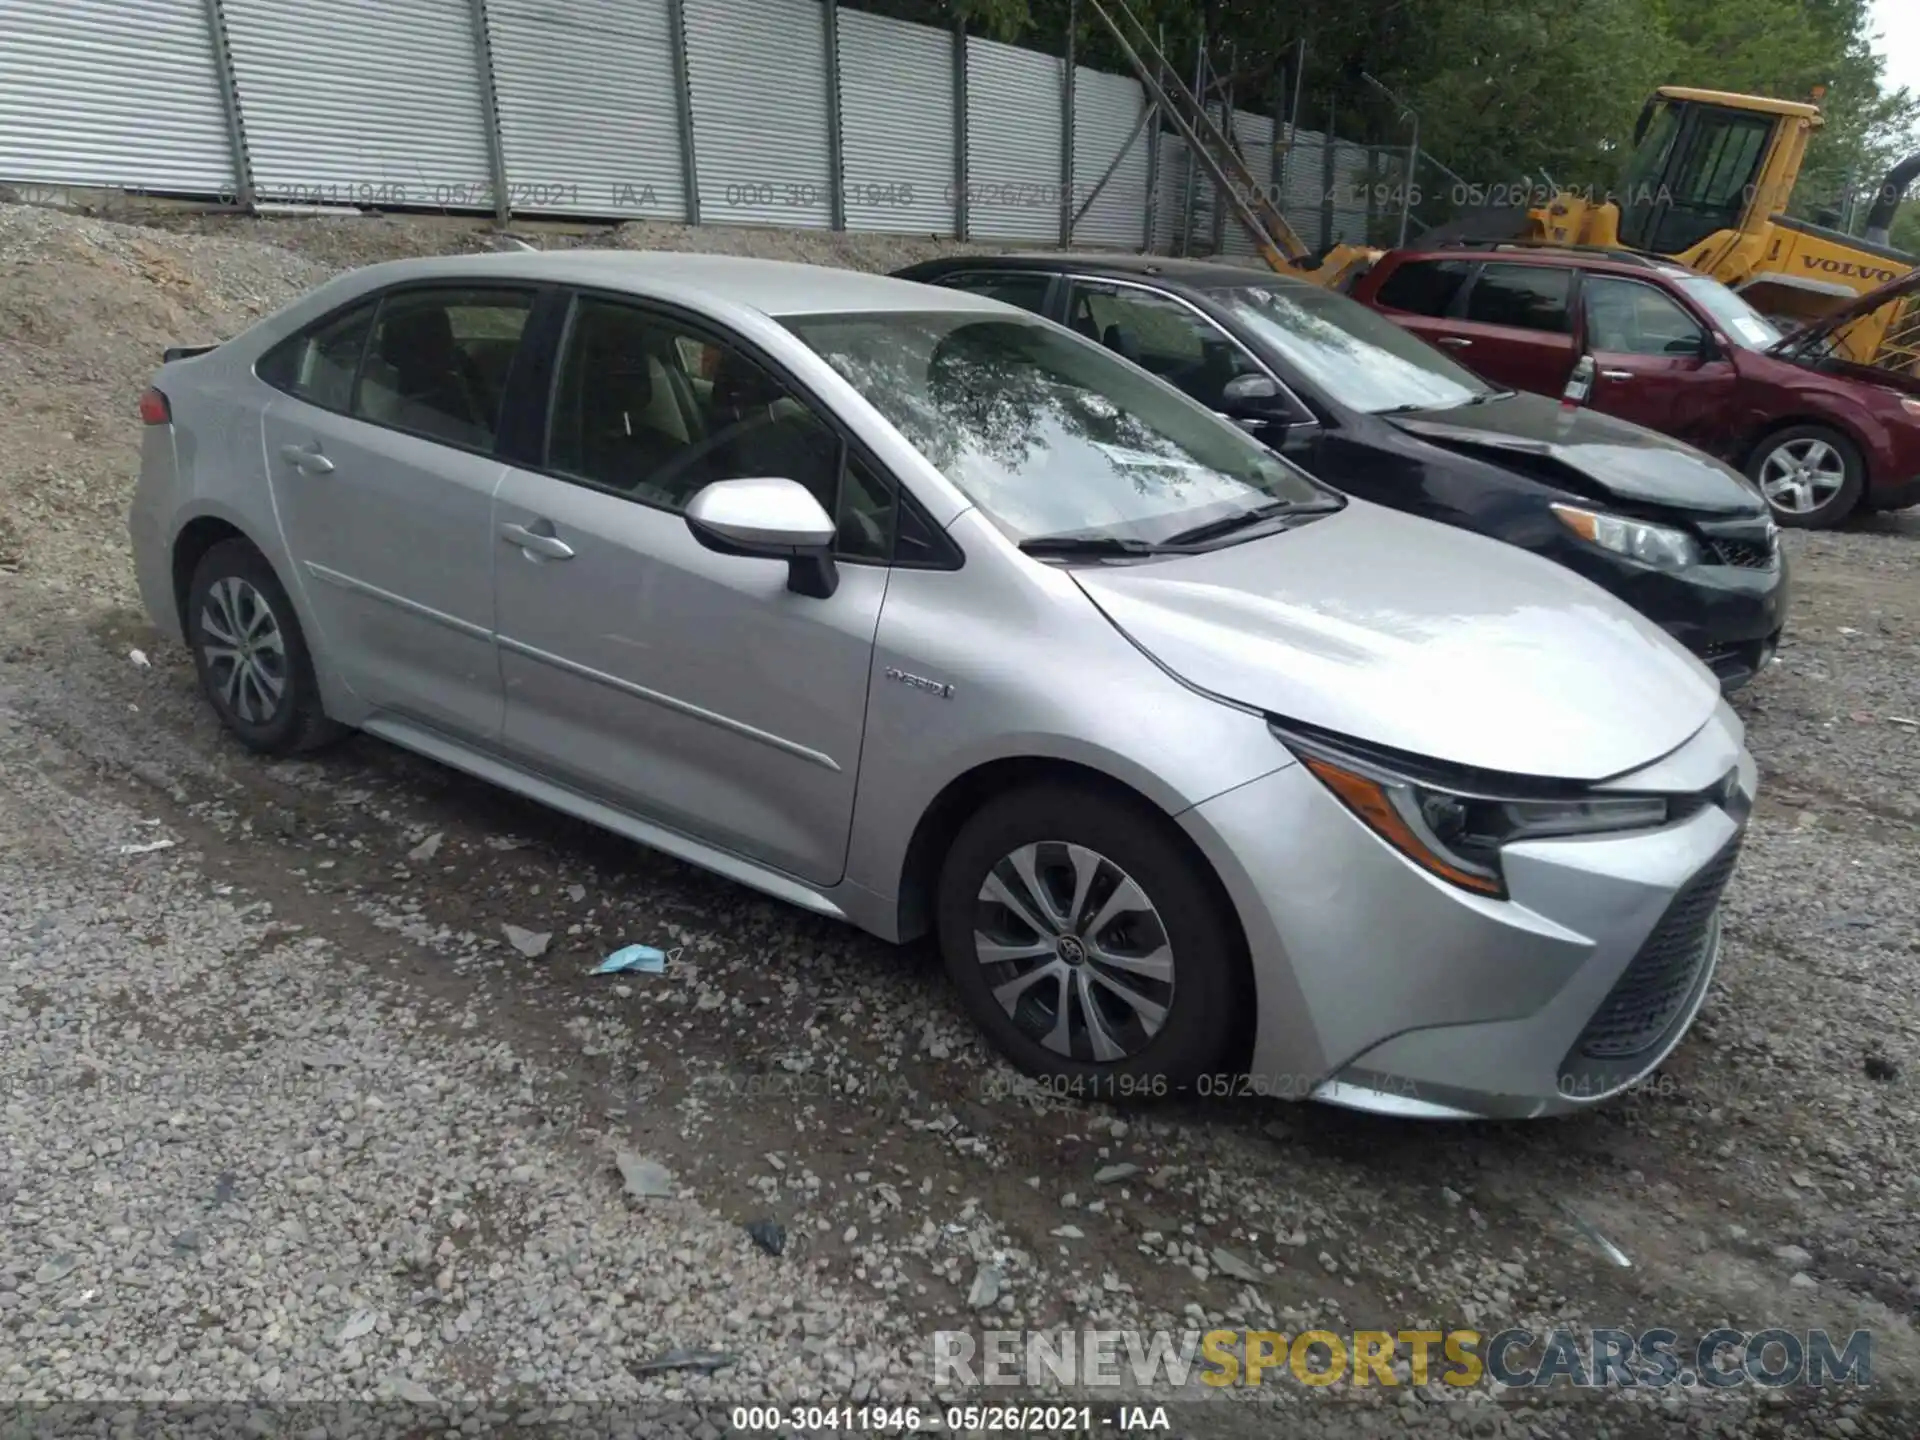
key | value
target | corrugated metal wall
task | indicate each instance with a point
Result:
(1352, 175)
(589, 117)
(1254, 135)
(1171, 182)
(361, 101)
(897, 123)
(381, 103)
(111, 92)
(1014, 136)
(1303, 185)
(1105, 110)
(757, 70)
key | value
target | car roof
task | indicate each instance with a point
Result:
(1200, 274)
(1584, 257)
(772, 287)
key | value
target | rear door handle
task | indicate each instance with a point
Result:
(550, 547)
(307, 459)
(1455, 342)
(1616, 374)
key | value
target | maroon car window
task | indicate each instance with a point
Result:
(1625, 317)
(1424, 287)
(1523, 297)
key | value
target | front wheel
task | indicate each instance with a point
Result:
(1812, 476)
(1090, 943)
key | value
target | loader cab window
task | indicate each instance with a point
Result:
(1692, 175)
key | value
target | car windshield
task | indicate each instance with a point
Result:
(1049, 434)
(1358, 356)
(1743, 324)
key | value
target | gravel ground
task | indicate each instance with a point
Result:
(290, 1115)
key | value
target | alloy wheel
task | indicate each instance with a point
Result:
(1802, 475)
(246, 654)
(1076, 954)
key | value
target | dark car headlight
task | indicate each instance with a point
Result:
(1458, 830)
(1660, 546)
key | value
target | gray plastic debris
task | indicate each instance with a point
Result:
(644, 958)
(1607, 1248)
(148, 848)
(427, 848)
(1106, 1175)
(645, 1179)
(58, 1268)
(1227, 1262)
(530, 943)
(707, 1360)
(769, 1235)
(985, 1288)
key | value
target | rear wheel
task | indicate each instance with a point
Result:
(251, 656)
(1812, 476)
(1090, 944)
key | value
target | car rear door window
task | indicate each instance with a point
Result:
(1424, 287)
(1028, 291)
(1625, 317)
(1160, 334)
(438, 362)
(318, 365)
(1523, 297)
(653, 409)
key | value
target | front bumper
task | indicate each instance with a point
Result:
(1383, 988)
(1731, 616)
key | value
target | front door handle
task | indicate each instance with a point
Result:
(1616, 374)
(1455, 342)
(549, 547)
(307, 459)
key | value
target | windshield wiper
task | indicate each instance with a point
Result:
(1246, 519)
(1491, 395)
(1088, 545)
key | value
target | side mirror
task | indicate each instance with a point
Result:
(1254, 397)
(771, 519)
(1699, 346)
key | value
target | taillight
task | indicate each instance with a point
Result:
(154, 409)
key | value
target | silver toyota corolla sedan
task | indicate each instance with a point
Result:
(920, 612)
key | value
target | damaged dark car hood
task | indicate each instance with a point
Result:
(1586, 453)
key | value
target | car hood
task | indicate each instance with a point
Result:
(1588, 453)
(1419, 637)
(1846, 314)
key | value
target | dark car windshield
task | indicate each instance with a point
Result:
(1049, 434)
(1358, 356)
(1743, 324)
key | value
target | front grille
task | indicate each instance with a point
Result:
(1745, 554)
(1644, 1001)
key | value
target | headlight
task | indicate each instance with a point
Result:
(1657, 545)
(1458, 833)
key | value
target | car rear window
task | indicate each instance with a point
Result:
(1523, 297)
(1424, 287)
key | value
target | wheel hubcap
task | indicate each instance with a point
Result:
(1075, 952)
(1802, 475)
(245, 654)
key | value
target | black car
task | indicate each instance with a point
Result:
(1377, 412)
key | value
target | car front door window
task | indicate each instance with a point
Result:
(1161, 334)
(655, 411)
(1628, 318)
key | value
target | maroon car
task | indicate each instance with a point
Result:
(1678, 352)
